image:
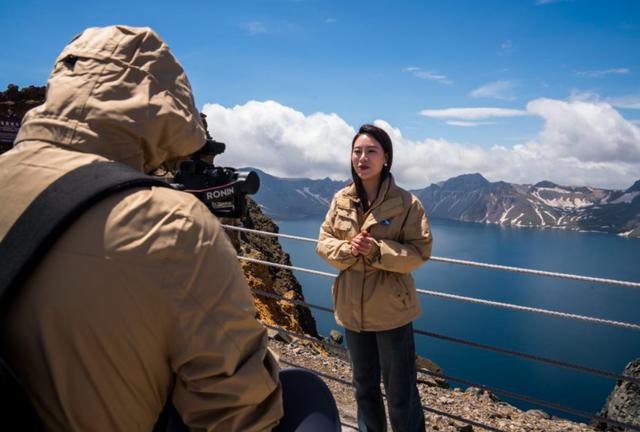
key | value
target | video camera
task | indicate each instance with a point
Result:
(222, 189)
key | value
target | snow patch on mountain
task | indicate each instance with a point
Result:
(306, 192)
(554, 189)
(503, 218)
(516, 221)
(542, 222)
(626, 198)
(564, 203)
(319, 197)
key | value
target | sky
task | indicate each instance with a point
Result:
(520, 91)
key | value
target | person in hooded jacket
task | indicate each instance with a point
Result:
(376, 234)
(142, 299)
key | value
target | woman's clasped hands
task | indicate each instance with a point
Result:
(361, 244)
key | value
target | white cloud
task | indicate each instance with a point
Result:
(428, 75)
(584, 96)
(467, 123)
(281, 140)
(255, 28)
(588, 131)
(471, 113)
(581, 143)
(495, 90)
(330, 20)
(629, 102)
(603, 72)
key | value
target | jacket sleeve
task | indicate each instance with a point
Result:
(226, 377)
(414, 249)
(333, 250)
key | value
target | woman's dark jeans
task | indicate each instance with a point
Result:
(393, 353)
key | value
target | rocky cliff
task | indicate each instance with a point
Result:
(272, 280)
(623, 404)
(14, 103)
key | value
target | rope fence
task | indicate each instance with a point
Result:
(581, 278)
(539, 359)
(492, 389)
(557, 314)
(506, 393)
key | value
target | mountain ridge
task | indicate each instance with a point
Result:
(473, 198)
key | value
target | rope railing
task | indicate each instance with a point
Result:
(506, 393)
(597, 280)
(565, 315)
(287, 267)
(539, 359)
(492, 389)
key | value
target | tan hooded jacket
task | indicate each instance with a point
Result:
(143, 293)
(376, 292)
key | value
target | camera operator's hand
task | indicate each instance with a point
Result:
(361, 244)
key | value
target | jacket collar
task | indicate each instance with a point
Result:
(387, 204)
(386, 185)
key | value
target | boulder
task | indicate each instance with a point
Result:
(623, 404)
(279, 336)
(429, 379)
(479, 392)
(336, 337)
(538, 414)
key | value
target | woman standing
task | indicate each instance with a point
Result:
(376, 234)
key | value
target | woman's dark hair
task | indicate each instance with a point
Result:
(385, 142)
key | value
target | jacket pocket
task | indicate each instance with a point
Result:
(344, 223)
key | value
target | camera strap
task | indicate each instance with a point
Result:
(31, 237)
(54, 210)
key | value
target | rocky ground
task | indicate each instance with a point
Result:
(472, 403)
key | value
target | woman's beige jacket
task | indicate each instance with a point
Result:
(376, 292)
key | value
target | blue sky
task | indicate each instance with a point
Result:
(558, 81)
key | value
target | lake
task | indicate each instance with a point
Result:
(587, 344)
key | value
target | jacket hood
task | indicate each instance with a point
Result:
(118, 92)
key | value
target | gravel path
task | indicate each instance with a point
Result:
(474, 404)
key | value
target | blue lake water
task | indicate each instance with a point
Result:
(587, 344)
